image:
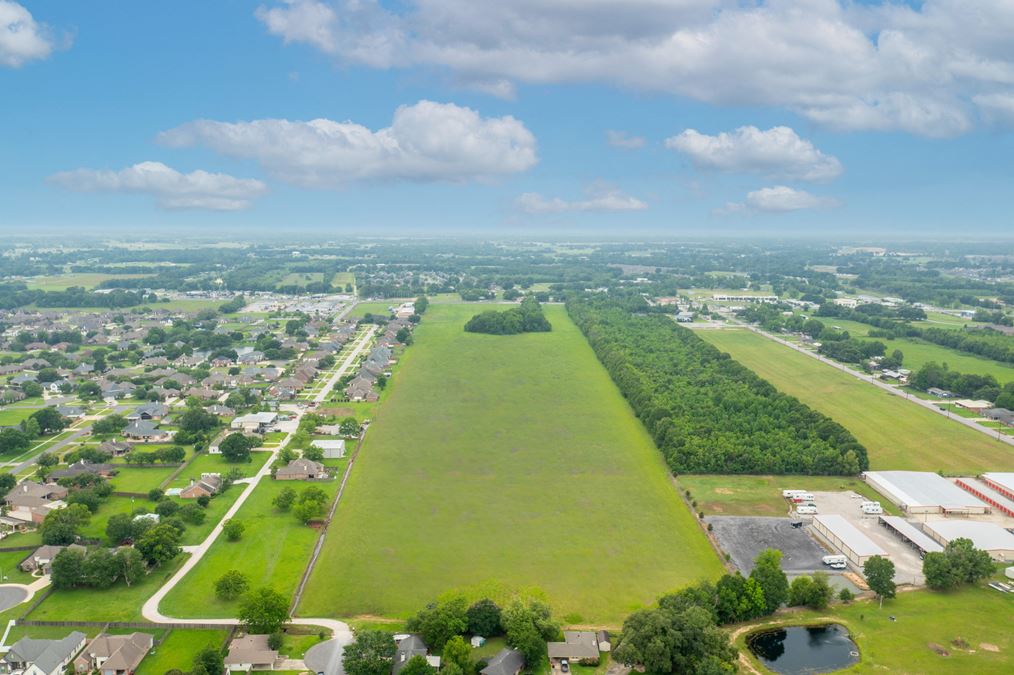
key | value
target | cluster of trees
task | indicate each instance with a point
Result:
(236, 447)
(527, 625)
(307, 505)
(171, 454)
(17, 294)
(196, 425)
(851, 350)
(110, 424)
(706, 412)
(964, 384)
(981, 342)
(99, 568)
(526, 318)
(959, 563)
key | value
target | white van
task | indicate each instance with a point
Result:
(863, 505)
(789, 494)
(873, 509)
(833, 560)
(806, 510)
(803, 497)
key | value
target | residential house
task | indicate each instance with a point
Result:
(115, 448)
(145, 430)
(249, 653)
(221, 410)
(114, 654)
(361, 389)
(1001, 415)
(84, 467)
(506, 662)
(410, 646)
(149, 411)
(577, 645)
(41, 558)
(208, 485)
(32, 656)
(302, 469)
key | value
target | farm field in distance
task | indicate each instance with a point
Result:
(61, 282)
(506, 462)
(919, 352)
(897, 434)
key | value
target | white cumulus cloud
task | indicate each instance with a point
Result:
(777, 199)
(426, 141)
(915, 67)
(601, 198)
(170, 188)
(22, 39)
(778, 152)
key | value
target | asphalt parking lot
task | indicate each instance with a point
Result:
(744, 537)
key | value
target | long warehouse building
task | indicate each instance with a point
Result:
(847, 538)
(985, 536)
(924, 492)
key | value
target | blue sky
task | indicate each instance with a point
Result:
(897, 120)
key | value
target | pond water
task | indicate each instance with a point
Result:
(797, 650)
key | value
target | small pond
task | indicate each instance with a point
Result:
(797, 650)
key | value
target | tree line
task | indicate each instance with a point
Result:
(706, 412)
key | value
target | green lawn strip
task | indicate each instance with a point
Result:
(61, 282)
(495, 463)
(178, 650)
(10, 573)
(762, 495)
(364, 308)
(978, 616)
(33, 538)
(119, 603)
(897, 433)
(140, 479)
(10, 417)
(96, 527)
(273, 552)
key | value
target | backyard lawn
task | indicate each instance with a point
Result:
(273, 552)
(178, 650)
(898, 434)
(119, 603)
(506, 462)
(972, 625)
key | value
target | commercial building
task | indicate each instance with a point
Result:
(984, 535)
(924, 492)
(846, 538)
(989, 492)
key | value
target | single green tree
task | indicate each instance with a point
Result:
(879, 573)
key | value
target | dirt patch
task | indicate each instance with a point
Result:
(988, 647)
(938, 649)
(724, 491)
(960, 643)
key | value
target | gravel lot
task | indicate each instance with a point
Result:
(743, 537)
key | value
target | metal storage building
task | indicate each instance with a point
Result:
(984, 535)
(847, 538)
(924, 492)
(911, 534)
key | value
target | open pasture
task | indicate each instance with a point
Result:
(507, 462)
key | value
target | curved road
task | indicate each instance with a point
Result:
(341, 630)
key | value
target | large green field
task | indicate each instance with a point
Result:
(898, 434)
(61, 282)
(506, 462)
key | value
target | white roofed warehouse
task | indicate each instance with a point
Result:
(847, 538)
(986, 536)
(924, 492)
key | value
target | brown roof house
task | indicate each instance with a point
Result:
(506, 662)
(250, 652)
(209, 485)
(114, 654)
(302, 469)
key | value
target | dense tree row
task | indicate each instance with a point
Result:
(706, 412)
(526, 318)
(969, 385)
